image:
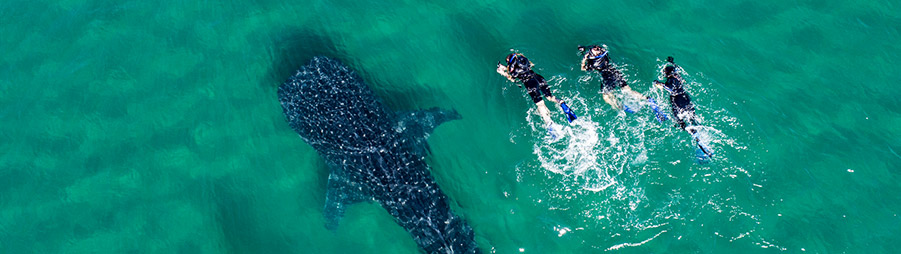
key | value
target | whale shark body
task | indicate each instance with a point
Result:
(374, 154)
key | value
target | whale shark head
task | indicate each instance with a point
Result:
(330, 106)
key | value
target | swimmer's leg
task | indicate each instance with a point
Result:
(638, 96)
(545, 90)
(678, 115)
(552, 99)
(544, 112)
(610, 99)
(693, 119)
(681, 123)
(553, 130)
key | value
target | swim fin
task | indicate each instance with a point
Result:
(552, 133)
(703, 148)
(570, 116)
(701, 157)
(628, 110)
(660, 116)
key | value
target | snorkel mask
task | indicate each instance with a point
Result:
(510, 58)
(599, 52)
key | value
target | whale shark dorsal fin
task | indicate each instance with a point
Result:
(418, 125)
(341, 192)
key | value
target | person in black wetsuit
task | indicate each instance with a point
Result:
(597, 59)
(519, 67)
(683, 109)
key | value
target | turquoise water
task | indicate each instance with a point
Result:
(154, 127)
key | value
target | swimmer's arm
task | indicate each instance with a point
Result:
(503, 71)
(584, 59)
(657, 83)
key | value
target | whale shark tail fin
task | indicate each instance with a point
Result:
(418, 125)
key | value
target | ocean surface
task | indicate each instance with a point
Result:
(154, 126)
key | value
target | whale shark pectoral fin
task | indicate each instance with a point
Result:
(423, 122)
(342, 191)
(418, 125)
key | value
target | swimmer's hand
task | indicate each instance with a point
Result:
(501, 69)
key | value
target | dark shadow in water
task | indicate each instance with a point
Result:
(291, 50)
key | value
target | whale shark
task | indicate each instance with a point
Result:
(374, 154)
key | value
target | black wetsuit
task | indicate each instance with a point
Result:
(613, 78)
(683, 110)
(520, 68)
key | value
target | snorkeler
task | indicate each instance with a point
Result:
(683, 109)
(519, 67)
(597, 59)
